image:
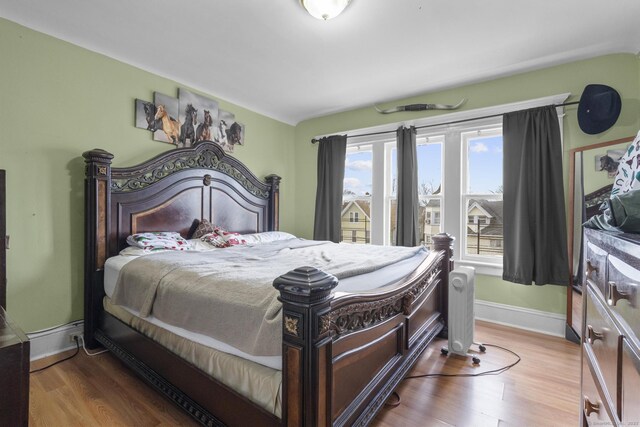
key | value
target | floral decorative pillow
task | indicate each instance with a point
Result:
(204, 227)
(628, 176)
(223, 239)
(159, 240)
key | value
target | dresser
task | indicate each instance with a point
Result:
(611, 327)
(14, 374)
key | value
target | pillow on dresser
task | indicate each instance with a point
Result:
(628, 175)
(159, 240)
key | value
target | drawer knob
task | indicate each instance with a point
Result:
(614, 295)
(593, 336)
(590, 407)
(590, 269)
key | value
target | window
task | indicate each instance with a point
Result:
(482, 193)
(459, 180)
(429, 153)
(356, 197)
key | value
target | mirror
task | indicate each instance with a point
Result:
(591, 173)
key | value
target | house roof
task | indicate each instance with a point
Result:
(363, 204)
(489, 230)
(492, 207)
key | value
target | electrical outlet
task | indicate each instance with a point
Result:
(74, 337)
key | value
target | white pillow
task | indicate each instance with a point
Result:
(266, 237)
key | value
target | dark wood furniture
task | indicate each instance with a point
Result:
(342, 355)
(14, 374)
(3, 239)
(611, 325)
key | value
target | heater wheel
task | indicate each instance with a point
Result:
(476, 360)
(482, 348)
(444, 351)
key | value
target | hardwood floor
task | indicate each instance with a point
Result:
(542, 390)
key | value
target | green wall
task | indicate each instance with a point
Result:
(56, 101)
(619, 71)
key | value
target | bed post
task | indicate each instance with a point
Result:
(97, 198)
(444, 242)
(274, 201)
(306, 296)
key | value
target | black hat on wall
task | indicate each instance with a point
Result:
(599, 108)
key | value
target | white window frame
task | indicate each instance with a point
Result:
(466, 134)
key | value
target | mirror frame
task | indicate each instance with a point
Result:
(570, 333)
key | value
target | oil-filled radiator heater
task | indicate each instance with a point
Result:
(461, 313)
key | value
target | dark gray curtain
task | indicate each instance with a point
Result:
(331, 158)
(535, 231)
(407, 213)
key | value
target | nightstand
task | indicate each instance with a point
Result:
(14, 374)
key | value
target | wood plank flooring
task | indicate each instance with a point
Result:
(542, 390)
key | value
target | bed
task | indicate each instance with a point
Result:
(342, 353)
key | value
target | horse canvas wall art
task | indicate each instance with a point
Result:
(145, 116)
(187, 130)
(168, 129)
(200, 104)
(203, 133)
(231, 133)
(170, 125)
(187, 119)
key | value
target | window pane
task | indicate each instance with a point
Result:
(484, 227)
(356, 197)
(429, 220)
(429, 154)
(484, 155)
(429, 166)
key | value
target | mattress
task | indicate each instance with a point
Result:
(359, 283)
(258, 383)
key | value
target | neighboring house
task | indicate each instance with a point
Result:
(356, 221)
(484, 219)
(484, 227)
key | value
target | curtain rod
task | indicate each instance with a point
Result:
(315, 140)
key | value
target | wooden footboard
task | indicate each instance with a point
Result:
(343, 355)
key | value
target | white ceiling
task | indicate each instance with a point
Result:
(272, 57)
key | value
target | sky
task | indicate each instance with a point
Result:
(485, 166)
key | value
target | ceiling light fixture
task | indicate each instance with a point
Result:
(324, 9)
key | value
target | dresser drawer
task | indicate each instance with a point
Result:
(595, 264)
(630, 402)
(595, 408)
(602, 337)
(623, 284)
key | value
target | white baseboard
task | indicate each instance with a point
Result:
(521, 318)
(54, 340)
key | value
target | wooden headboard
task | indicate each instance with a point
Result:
(169, 192)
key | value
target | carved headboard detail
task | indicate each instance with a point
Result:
(170, 191)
